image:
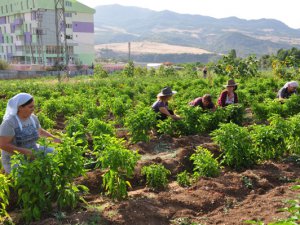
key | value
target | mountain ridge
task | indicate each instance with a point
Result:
(116, 23)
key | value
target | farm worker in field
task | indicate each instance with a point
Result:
(205, 102)
(20, 130)
(287, 90)
(161, 105)
(228, 96)
(204, 72)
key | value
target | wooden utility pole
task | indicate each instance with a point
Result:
(129, 51)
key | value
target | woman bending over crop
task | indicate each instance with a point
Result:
(228, 96)
(161, 105)
(205, 102)
(20, 130)
(287, 90)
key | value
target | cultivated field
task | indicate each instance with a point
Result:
(225, 167)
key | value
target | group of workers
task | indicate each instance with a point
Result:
(227, 97)
(21, 129)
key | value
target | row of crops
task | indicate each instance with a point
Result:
(87, 112)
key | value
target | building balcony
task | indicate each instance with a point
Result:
(19, 43)
(71, 42)
(69, 20)
(19, 53)
(19, 32)
(18, 21)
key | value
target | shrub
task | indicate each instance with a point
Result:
(99, 72)
(204, 163)
(139, 122)
(45, 121)
(270, 141)
(184, 179)
(3, 65)
(97, 127)
(235, 143)
(120, 163)
(156, 176)
(4, 195)
(48, 178)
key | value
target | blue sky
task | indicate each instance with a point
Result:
(286, 11)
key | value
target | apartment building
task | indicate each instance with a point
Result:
(33, 32)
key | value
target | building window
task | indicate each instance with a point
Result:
(69, 4)
(68, 14)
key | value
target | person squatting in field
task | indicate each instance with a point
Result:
(287, 90)
(205, 102)
(20, 130)
(204, 71)
(161, 105)
(228, 96)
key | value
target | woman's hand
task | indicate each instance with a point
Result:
(175, 117)
(57, 140)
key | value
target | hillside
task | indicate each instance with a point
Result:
(151, 48)
(133, 24)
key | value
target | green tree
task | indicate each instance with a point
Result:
(129, 69)
(3, 65)
(100, 72)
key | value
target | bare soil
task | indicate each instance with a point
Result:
(225, 199)
(147, 47)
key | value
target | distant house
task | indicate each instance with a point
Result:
(154, 65)
(165, 64)
(113, 67)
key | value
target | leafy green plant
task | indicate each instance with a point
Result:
(235, 113)
(119, 163)
(68, 193)
(97, 127)
(139, 122)
(3, 65)
(247, 181)
(156, 176)
(74, 128)
(45, 121)
(129, 69)
(204, 163)
(235, 143)
(99, 72)
(269, 107)
(4, 195)
(48, 178)
(184, 179)
(269, 141)
(183, 221)
(34, 184)
(119, 107)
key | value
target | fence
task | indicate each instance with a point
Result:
(16, 74)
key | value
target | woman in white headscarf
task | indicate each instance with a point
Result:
(20, 130)
(287, 90)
